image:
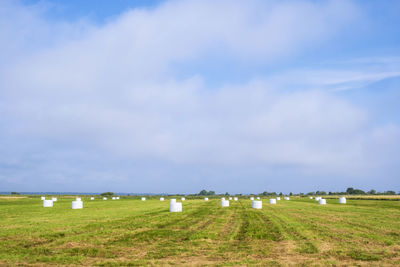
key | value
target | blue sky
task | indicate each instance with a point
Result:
(98, 12)
(179, 96)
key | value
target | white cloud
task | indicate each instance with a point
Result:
(150, 40)
(24, 31)
(117, 88)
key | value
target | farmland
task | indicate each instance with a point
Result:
(132, 232)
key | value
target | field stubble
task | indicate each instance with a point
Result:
(131, 232)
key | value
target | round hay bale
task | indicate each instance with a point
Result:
(77, 205)
(256, 204)
(224, 203)
(47, 203)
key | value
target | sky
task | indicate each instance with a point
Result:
(179, 96)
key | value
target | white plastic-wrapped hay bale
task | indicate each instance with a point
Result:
(143, 199)
(117, 198)
(183, 199)
(230, 198)
(47, 203)
(222, 198)
(286, 198)
(258, 197)
(256, 204)
(178, 206)
(278, 198)
(53, 199)
(104, 198)
(311, 197)
(42, 198)
(175, 206)
(113, 198)
(92, 198)
(78, 199)
(272, 201)
(251, 198)
(206, 199)
(77, 205)
(161, 199)
(224, 203)
(235, 199)
(342, 200)
(317, 198)
(322, 201)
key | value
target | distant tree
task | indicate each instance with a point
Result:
(226, 194)
(291, 194)
(358, 192)
(350, 190)
(372, 192)
(211, 193)
(105, 194)
(14, 193)
(265, 193)
(390, 192)
(280, 194)
(203, 192)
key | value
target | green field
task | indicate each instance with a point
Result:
(131, 232)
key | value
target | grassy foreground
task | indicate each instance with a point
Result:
(131, 232)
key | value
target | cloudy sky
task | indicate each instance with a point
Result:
(179, 96)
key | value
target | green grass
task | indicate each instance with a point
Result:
(129, 232)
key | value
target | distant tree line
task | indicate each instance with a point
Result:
(206, 193)
(106, 194)
(266, 193)
(349, 191)
(211, 193)
(353, 191)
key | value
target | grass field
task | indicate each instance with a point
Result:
(131, 232)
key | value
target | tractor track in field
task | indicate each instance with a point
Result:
(290, 232)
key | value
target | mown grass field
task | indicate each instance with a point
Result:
(131, 232)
